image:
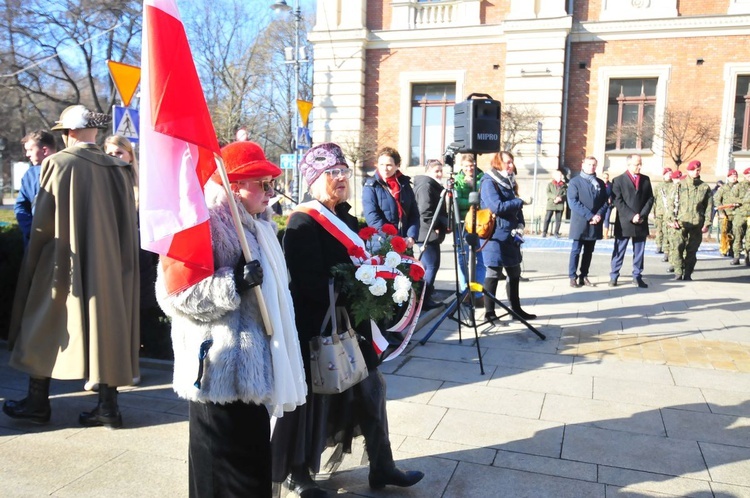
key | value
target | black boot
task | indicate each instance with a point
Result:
(490, 285)
(511, 287)
(35, 406)
(106, 413)
(428, 303)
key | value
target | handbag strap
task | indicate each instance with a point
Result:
(331, 313)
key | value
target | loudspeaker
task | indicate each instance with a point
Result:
(476, 125)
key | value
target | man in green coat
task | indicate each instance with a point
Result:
(661, 202)
(722, 197)
(557, 191)
(690, 204)
(740, 198)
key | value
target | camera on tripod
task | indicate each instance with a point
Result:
(449, 156)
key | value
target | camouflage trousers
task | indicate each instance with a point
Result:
(662, 234)
(683, 247)
(739, 231)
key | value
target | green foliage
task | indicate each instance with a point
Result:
(11, 254)
(8, 216)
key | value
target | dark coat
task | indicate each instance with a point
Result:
(427, 191)
(310, 253)
(501, 249)
(628, 202)
(585, 202)
(380, 207)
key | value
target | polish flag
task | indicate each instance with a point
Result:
(178, 146)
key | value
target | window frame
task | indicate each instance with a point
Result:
(606, 73)
(407, 80)
(424, 104)
(641, 101)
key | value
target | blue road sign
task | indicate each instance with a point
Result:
(303, 138)
(287, 161)
(539, 133)
(125, 122)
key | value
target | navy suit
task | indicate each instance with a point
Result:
(585, 201)
(630, 202)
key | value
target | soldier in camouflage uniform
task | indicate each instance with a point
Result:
(660, 210)
(722, 197)
(691, 204)
(740, 197)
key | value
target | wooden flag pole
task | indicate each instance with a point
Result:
(243, 241)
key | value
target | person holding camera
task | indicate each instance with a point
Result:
(503, 249)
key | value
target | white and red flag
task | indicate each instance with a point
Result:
(178, 144)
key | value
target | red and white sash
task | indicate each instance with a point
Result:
(351, 240)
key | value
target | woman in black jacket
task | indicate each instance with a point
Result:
(313, 244)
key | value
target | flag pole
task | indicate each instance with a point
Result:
(243, 241)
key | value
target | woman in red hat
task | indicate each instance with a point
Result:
(232, 372)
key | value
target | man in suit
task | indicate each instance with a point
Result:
(633, 197)
(587, 199)
(75, 312)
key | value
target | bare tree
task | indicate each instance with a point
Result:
(686, 133)
(518, 125)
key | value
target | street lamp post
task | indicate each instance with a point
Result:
(282, 6)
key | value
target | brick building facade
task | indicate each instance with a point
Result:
(602, 76)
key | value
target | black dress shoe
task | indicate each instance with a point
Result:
(23, 410)
(395, 477)
(612, 282)
(574, 283)
(687, 277)
(306, 488)
(524, 315)
(584, 281)
(640, 283)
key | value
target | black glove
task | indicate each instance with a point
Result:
(247, 276)
(473, 240)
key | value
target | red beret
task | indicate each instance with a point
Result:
(693, 165)
(666, 170)
(746, 172)
(733, 172)
(676, 175)
(246, 160)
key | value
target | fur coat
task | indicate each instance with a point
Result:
(239, 365)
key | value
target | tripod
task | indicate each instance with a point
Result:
(448, 200)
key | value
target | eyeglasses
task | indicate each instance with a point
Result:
(266, 185)
(339, 173)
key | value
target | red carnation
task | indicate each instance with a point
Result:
(416, 272)
(389, 229)
(398, 244)
(357, 252)
(367, 232)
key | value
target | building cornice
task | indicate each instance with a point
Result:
(679, 27)
(433, 37)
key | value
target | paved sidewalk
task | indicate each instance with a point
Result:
(635, 392)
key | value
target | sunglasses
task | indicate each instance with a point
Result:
(266, 185)
(339, 173)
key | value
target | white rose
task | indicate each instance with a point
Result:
(378, 287)
(365, 274)
(392, 259)
(400, 296)
(401, 283)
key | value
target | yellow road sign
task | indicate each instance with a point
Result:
(126, 78)
(304, 110)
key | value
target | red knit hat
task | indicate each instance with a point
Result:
(246, 160)
(693, 165)
(676, 175)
